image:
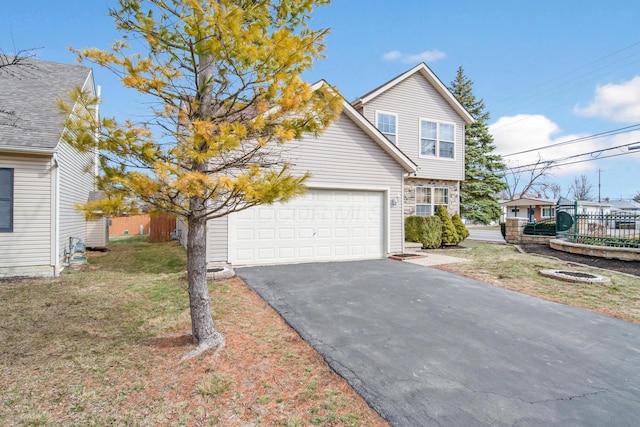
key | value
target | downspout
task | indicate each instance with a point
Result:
(404, 176)
(55, 215)
(96, 158)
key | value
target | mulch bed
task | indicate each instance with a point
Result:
(629, 267)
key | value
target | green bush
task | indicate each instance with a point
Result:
(424, 229)
(503, 229)
(432, 238)
(449, 233)
(461, 229)
(414, 228)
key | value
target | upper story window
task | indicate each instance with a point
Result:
(6, 200)
(437, 139)
(387, 123)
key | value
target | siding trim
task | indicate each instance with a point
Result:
(55, 215)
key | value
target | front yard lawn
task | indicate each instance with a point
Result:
(502, 265)
(101, 346)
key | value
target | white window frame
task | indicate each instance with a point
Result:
(438, 140)
(550, 210)
(393, 137)
(430, 201)
(427, 203)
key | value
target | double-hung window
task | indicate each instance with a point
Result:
(440, 197)
(423, 201)
(437, 139)
(6, 200)
(428, 199)
(387, 123)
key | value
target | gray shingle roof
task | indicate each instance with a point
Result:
(30, 92)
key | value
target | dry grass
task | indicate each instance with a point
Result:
(100, 346)
(502, 265)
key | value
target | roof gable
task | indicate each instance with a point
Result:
(375, 135)
(30, 92)
(431, 78)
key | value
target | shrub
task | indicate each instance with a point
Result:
(424, 229)
(449, 233)
(503, 229)
(414, 228)
(461, 229)
(432, 238)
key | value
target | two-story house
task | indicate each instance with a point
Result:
(418, 114)
(397, 151)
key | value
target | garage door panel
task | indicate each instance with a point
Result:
(322, 225)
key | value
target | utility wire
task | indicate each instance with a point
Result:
(529, 168)
(568, 73)
(573, 141)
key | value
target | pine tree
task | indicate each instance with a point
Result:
(227, 79)
(461, 229)
(483, 170)
(449, 233)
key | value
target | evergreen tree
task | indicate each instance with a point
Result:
(461, 229)
(227, 79)
(449, 233)
(483, 170)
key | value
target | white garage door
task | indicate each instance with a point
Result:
(322, 225)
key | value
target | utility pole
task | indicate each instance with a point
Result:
(599, 170)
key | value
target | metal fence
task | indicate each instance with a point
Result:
(616, 229)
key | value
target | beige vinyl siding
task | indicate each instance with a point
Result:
(27, 250)
(76, 180)
(414, 99)
(217, 239)
(344, 156)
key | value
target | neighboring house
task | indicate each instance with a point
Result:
(593, 208)
(418, 114)
(624, 205)
(353, 208)
(530, 208)
(41, 177)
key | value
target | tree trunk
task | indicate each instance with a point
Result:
(202, 327)
(204, 332)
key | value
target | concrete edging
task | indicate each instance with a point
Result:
(625, 254)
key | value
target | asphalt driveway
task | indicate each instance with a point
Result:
(429, 348)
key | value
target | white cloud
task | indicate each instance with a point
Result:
(412, 58)
(524, 132)
(615, 102)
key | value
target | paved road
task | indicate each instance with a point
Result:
(429, 348)
(485, 234)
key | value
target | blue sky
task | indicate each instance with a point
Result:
(548, 71)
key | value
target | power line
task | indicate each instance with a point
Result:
(573, 71)
(573, 141)
(551, 162)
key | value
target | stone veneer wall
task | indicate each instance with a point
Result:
(410, 193)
